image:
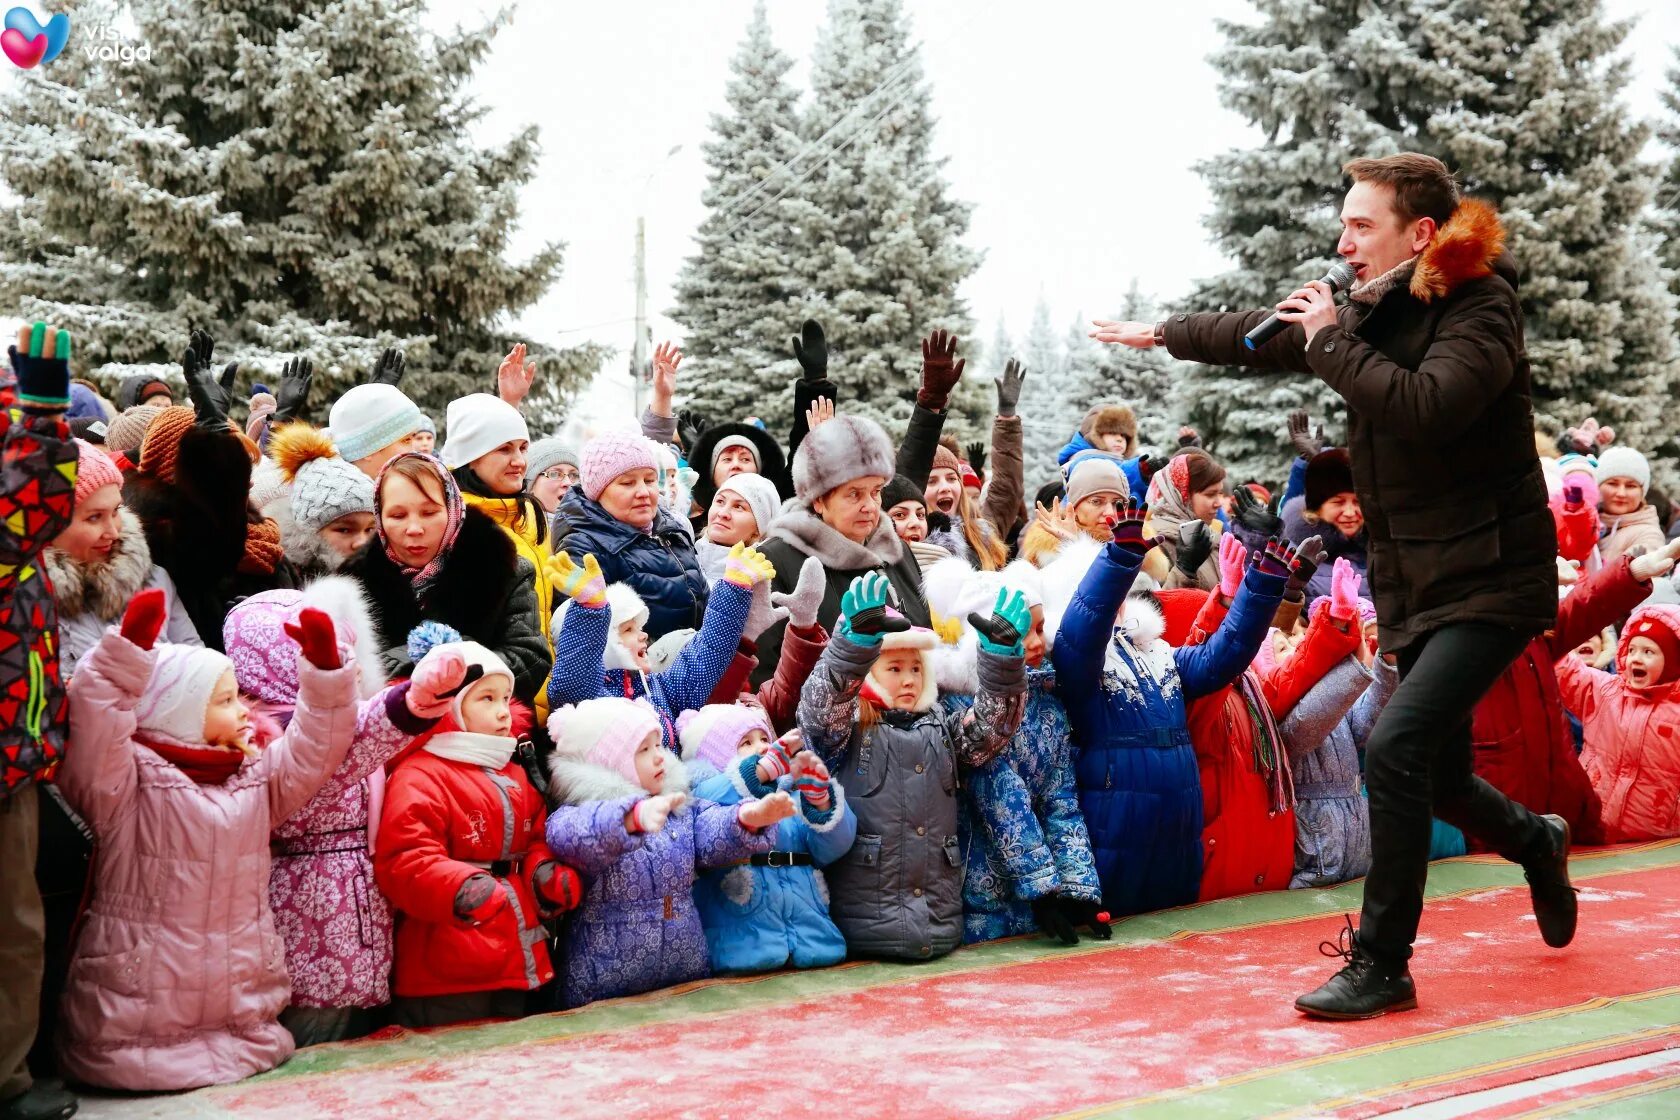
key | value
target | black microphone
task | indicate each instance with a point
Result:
(1339, 277)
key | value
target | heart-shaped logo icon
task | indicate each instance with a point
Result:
(28, 28)
(24, 52)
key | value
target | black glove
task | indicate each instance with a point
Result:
(1009, 388)
(810, 346)
(388, 370)
(211, 398)
(1047, 912)
(1195, 545)
(1078, 912)
(938, 522)
(295, 378)
(1253, 523)
(690, 426)
(876, 620)
(1306, 443)
(1308, 556)
(1150, 465)
(977, 458)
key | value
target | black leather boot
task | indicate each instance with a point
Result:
(1363, 989)
(1555, 906)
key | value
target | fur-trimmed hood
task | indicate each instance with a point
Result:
(307, 549)
(265, 657)
(106, 589)
(1469, 247)
(573, 781)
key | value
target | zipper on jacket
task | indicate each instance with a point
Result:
(37, 703)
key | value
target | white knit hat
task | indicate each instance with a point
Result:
(1624, 462)
(759, 493)
(477, 424)
(370, 418)
(178, 695)
(433, 640)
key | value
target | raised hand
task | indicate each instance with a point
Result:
(1307, 443)
(666, 359)
(295, 378)
(805, 600)
(1277, 558)
(1139, 336)
(389, 369)
(1004, 633)
(1195, 545)
(863, 610)
(810, 347)
(976, 453)
(586, 584)
(1309, 555)
(1344, 591)
(1233, 562)
(1653, 565)
(41, 364)
(515, 375)
(143, 620)
(820, 413)
(1057, 520)
(437, 680)
(313, 632)
(1252, 521)
(941, 370)
(766, 811)
(1009, 388)
(746, 566)
(211, 398)
(1189, 437)
(1151, 465)
(1127, 530)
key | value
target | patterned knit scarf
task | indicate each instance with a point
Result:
(1271, 760)
(1399, 276)
(454, 510)
(263, 550)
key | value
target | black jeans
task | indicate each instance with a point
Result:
(1418, 764)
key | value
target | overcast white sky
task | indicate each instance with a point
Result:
(1072, 126)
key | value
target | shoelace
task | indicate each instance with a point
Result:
(1347, 947)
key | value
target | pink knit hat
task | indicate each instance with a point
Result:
(607, 456)
(713, 733)
(93, 470)
(606, 731)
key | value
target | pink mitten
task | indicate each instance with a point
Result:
(1344, 591)
(435, 682)
(1232, 557)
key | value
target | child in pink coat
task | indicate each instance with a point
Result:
(1631, 726)
(179, 976)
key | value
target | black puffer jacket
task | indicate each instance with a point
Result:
(659, 566)
(1464, 536)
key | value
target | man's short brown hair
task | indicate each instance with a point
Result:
(1423, 186)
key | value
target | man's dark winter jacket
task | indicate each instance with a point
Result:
(1459, 535)
(659, 566)
(37, 498)
(485, 591)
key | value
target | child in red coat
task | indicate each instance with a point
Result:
(462, 857)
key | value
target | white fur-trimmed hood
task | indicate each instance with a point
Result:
(573, 781)
(345, 602)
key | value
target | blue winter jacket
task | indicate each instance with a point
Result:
(1139, 787)
(580, 671)
(1021, 830)
(1128, 467)
(659, 566)
(760, 918)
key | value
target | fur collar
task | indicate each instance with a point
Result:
(306, 548)
(573, 781)
(807, 532)
(1464, 249)
(104, 589)
(470, 593)
(1372, 294)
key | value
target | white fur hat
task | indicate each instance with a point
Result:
(625, 606)
(477, 424)
(924, 642)
(178, 695)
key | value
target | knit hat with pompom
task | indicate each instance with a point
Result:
(325, 487)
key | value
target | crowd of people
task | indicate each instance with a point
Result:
(318, 724)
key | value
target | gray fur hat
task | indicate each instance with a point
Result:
(845, 448)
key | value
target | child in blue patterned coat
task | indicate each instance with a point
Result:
(601, 648)
(772, 909)
(1027, 855)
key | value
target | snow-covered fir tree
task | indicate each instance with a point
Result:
(1048, 403)
(1151, 383)
(882, 258)
(1521, 99)
(294, 176)
(740, 297)
(1665, 216)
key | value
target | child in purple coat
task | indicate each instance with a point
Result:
(625, 820)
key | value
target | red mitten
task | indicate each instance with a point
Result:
(143, 621)
(313, 630)
(558, 885)
(479, 899)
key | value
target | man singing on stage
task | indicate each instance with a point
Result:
(1428, 354)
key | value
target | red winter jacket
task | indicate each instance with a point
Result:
(443, 822)
(1521, 741)
(1246, 845)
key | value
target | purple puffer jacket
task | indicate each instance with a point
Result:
(637, 929)
(179, 978)
(336, 925)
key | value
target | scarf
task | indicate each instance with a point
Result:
(207, 765)
(517, 513)
(263, 550)
(1271, 761)
(812, 536)
(490, 751)
(1399, 276)
(454, 511)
